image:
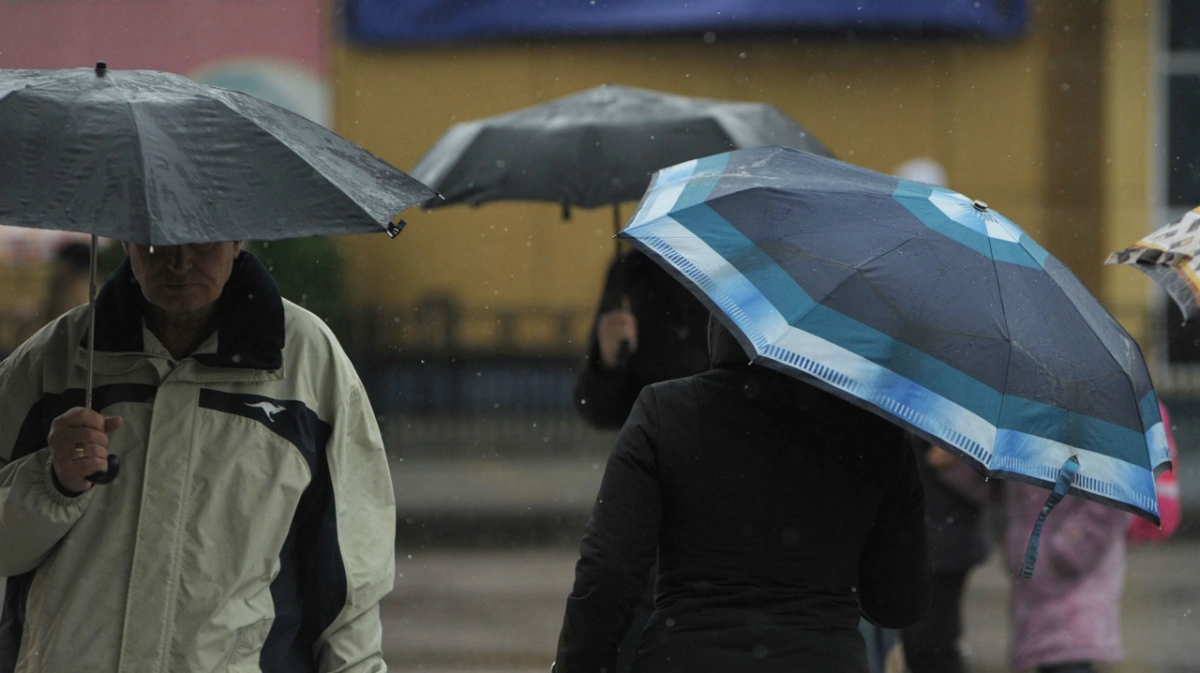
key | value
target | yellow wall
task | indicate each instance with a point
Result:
(1049, 130)
(1127, 137)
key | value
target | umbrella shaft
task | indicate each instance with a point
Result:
(87, 403)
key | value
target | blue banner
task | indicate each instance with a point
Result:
(458, 21)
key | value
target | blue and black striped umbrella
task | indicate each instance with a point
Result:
(920, 304)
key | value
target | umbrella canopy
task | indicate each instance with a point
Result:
(920, 304)
(595, 148)
(157, 159)
(1171, 256)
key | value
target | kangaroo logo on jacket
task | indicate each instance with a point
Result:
(269, 409)
(297, 424)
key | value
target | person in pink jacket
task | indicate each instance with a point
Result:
(1067, 616)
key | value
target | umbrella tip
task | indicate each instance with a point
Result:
(101, 68)
(979, 205)
(394, 228)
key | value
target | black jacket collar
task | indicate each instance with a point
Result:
(249, 334)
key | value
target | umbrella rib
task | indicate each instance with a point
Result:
(1112, 356)
(137, 139)
(1008, 362)
(298, 155)
(857, 269)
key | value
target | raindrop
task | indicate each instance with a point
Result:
(500, 163)
(152, 250)
(742, 55)
(710, 37)
(670, 622)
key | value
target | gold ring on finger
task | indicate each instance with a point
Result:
(79, 451)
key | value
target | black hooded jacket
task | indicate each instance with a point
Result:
(779, 513)
(671, 340)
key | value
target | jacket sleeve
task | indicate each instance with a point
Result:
(604, 398)
(347, 558)
(617, 551)
(34, 515)
(895, 572)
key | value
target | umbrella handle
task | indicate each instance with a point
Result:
(114, 466)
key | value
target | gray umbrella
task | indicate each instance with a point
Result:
(598, 147)
(157, 159)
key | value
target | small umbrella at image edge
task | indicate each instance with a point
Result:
(1169, 256)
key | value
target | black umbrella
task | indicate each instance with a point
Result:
(157, 159)
(594, 148)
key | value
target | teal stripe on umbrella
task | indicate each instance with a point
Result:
(987, 232)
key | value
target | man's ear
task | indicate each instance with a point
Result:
(237, 247)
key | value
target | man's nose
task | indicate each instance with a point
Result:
(178, 258)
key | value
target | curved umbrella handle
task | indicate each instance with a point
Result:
(114, 466)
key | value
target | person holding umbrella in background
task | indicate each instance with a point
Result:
(597, 148)
(648, 328)
(251, 523)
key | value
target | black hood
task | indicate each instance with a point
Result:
(723, 348)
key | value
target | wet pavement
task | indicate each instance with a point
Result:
(499, 610)
(494, 603)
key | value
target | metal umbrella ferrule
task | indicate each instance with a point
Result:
(101, 68)
(979, 205)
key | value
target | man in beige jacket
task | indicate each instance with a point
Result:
(252, 524)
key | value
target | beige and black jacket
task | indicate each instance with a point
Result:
(252, 525)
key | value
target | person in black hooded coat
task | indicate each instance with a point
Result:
(663, 326)
(779, 514)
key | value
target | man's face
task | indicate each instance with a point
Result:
(183, 279)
